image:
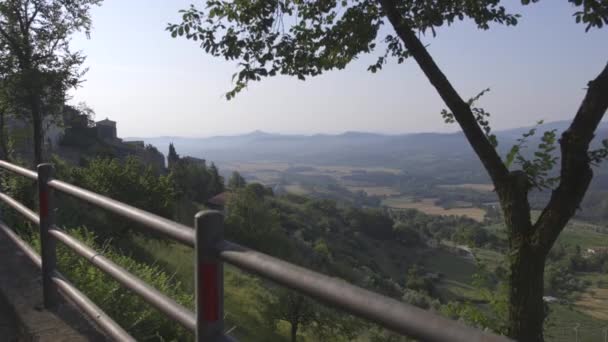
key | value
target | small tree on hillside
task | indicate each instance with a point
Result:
(236, 181)
(291, 307)
(172, 157)
(327, 35)
(34, 41)
(217, 181)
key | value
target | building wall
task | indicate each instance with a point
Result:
(53, 132)
(106, 132)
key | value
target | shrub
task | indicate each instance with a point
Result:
(141, 320)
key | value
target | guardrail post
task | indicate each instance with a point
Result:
(47, 243)
(209, 276)
(1, 190)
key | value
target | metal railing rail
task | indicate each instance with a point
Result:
(154, 297)
(211, 250)
(108, 325)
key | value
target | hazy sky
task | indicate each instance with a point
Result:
(155, 85)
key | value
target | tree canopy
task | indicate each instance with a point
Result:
(38, 66)
(236, 181)
(307, 38)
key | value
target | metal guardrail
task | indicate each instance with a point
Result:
(109, 326)
(211, 250)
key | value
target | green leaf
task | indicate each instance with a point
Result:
(511, 155)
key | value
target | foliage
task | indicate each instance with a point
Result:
(563, 262)
(481, 116)
(407, 235)
(474, 236)
(5, 152)
(110, 177)
(308, 38)
(415, 280)
(193, 179)
(492, 290)
(84, 109)
(216, 181)
(420, 299)
(287, 305)
(325, 35)
(373, 222)
(600, 154)
(260, 190)
(538, 169)
(594, 13)
(252, 222)
(322, 249)
(39, 66)
(18, 187)
(460, 229)
(132, 313)
(172, 157)
(21, 189)
(236, 181)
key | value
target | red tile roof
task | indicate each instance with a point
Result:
(219, 199)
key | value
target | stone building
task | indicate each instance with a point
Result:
(106, 129)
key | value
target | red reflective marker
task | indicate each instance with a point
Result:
(208, 296)
(44, 204)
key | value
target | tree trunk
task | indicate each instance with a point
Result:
(526, 307)
(38, 136)
(526, 261)
(294, 331)
(528, 243)
(4, 154)
(34, 90)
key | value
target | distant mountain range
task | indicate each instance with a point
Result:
(417, 151)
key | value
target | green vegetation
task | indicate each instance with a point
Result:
(562, 321)
(132, 313)
(194, 180)
(110, 177)
(463, 268)
(236, 181)
(330, 35)
(38, 67)
(453, 265)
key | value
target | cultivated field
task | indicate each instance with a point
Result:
(375, 190)
(428, 206)
(470, 186)
(594, 302)
(256, 166)
(275, 172)
(297, 189)
(316, 169)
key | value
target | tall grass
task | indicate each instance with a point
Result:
(132, 313)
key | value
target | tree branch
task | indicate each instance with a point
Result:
(50, 53)
(461, 110)
(576, 173)
(11, 41)
(31, 19)
(20, 19)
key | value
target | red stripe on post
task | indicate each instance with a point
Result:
(208, 295)
(44, 204)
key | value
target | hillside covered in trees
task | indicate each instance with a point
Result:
(450, 264)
